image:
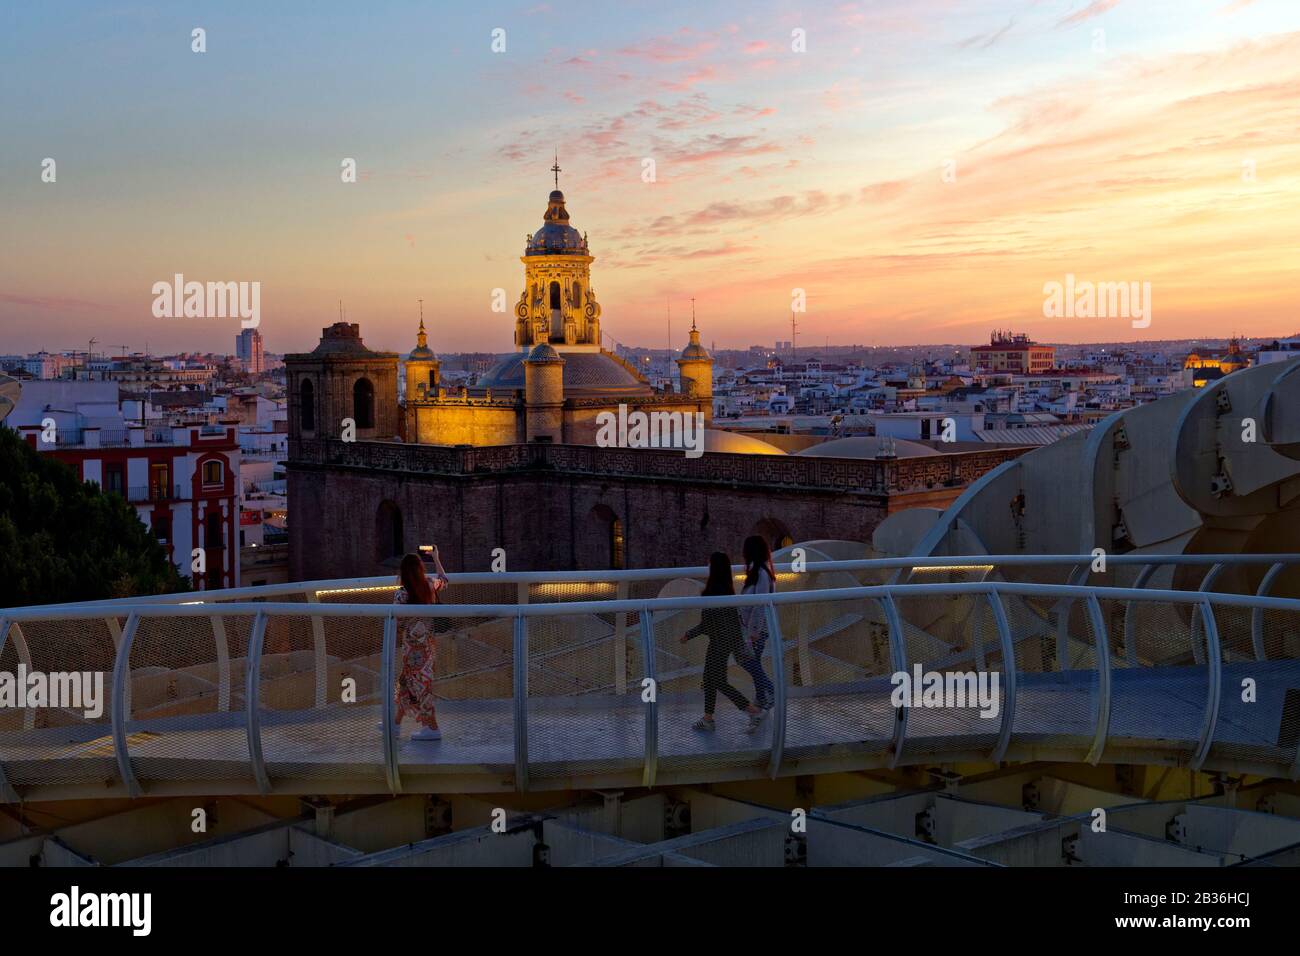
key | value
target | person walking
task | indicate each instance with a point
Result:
(760, 578)
(722, 625)
(417, 644)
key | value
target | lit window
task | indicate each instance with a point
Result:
(212, 473)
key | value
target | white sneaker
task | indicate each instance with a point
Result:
(755, 721)
(424, 733)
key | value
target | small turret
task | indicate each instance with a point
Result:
(544, 394)
(695, 366)
(422, 367)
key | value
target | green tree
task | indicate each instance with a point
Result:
(62, 539)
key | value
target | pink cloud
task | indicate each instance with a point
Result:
(667, 50)
(719, 146)
(696, 76)
(1094, 9)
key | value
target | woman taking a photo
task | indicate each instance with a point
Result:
(418, 647)
(722, 625)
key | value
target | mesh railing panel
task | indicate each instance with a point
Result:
(1279, 631)
(584, 709)
(186, 715)
(837, 670)
(1058, 696)
(1033, 624)
(492, 592)
(1158, 697)
(1259, 701)
(311, 727)
(60, 745)
(953, 635)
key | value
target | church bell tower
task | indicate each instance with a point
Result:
(557, 306)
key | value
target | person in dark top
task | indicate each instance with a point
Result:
(722, 625)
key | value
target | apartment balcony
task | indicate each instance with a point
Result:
(147, 493)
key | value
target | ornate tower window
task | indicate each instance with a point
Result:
(307, 406)
(557, 317)
(363, 403)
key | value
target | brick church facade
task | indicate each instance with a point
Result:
(355, 506)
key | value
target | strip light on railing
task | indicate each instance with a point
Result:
(953, 567)
(382, 587)
(551, 590)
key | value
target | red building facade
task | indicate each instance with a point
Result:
(183, 481)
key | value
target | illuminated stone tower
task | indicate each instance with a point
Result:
(695, 366)
(422, 369)
(557, 306)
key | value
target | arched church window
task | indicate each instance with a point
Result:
(555, 296)
(307, 406)
(390, 539)
(617, 545)
(363, 403)
(614, 546)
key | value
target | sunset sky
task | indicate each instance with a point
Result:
(821, 170)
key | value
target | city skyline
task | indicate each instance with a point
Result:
(1160, 155)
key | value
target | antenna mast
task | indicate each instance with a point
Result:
(670, 334)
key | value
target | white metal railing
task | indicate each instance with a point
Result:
(1192, 665)
(904, 570)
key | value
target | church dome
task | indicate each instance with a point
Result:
(542, 352)
(586, 374)
(695, 352)
(421, 352)
(735, 443)
(556, 237)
